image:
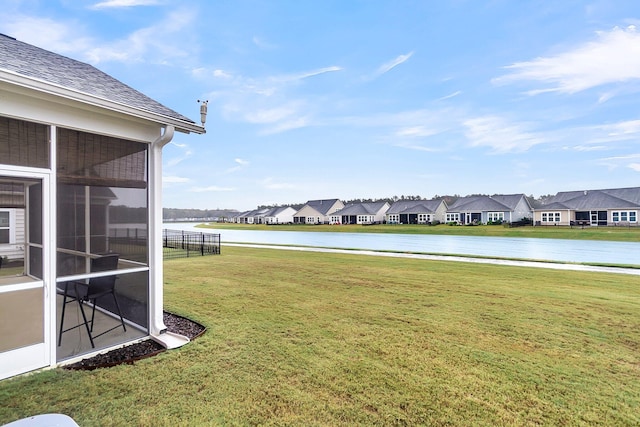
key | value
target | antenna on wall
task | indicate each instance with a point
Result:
(203, 111)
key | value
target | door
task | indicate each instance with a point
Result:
(24, 302)
(594, 218)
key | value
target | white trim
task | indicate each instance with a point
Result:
(22, 286)
(22, 360)
(77, 277)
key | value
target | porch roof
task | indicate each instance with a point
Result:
(35, 68)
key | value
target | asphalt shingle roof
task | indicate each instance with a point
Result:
(36, 63)
(414, 206)
(367, 208)
(497, 203)
(322, 206)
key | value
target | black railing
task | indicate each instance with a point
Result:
(181, 244)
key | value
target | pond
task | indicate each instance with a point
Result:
(556, 250)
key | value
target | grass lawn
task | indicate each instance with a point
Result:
(622, 234)
(303, 338)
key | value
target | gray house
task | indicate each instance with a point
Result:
(617, 206)
(360, 213)
(489, 209)
(416, 212)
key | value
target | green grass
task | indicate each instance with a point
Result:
(297, 338)
(622, 234)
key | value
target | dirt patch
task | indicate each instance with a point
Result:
(130, 353)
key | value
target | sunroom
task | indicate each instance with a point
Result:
(80, 210)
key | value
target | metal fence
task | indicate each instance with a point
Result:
(182, 244)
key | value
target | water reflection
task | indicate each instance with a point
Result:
(558, 250)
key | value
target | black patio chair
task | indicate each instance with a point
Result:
(89, 291)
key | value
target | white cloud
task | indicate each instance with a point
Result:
(601, 136)
(629, 161)
(267, 101)
(240, 164)
(500, 135)
(418, 147)
(185, 153)
(311, 73)
(416, 132)
(210, 189)
(262, 44)
(451, 95)
(221, 74)
(174, 179)
(157, 43)
(283, 126)
(624, 129)
(614, 57)
(272, 115)
(61, 37)
(124, 3)
(587, 148)
(384, 68)
(271, 184)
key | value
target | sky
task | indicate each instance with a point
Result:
(367, 99)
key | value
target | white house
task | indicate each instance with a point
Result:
(279, 215)
(76, 143)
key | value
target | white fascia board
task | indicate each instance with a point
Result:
(57, 90)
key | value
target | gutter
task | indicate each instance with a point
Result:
(157, 328)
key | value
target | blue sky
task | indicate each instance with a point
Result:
(369, 99)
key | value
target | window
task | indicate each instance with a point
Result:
(424, 218)
(495, 216)
(624, 216)
(393, 218)
(551, 216)
(5, 227)
(453, 217)
(364, 219)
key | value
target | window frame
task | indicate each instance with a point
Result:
(11, 226)
(624, 216)
(551, 217)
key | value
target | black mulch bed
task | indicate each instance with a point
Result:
(129, 354)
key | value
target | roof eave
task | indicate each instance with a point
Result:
(73, 95)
